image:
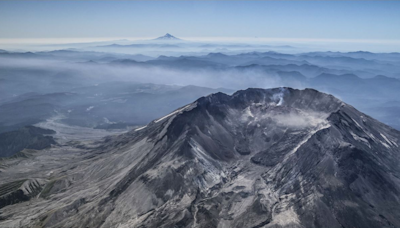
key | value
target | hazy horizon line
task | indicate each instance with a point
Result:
(69, 40)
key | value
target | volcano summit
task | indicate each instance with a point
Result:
(259, 158)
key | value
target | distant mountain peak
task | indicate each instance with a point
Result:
(216, 54)
(167, 37)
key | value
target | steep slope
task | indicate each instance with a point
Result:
(259, 158)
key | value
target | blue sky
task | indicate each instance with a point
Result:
(276, 19)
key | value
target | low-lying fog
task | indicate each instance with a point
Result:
(101, 88)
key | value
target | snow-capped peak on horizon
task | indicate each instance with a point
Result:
(167, 37)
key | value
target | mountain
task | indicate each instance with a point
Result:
(167, 37)
(259, 158)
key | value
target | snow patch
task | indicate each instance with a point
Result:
(172, 113)
(357, 123)
(89, 108)
(385, 145)
(140, 128)
(360, 139)
(388, 141)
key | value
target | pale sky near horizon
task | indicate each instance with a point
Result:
(343, 20)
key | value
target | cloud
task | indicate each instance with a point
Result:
(301, 120)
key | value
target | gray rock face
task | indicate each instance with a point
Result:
(259, 158)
